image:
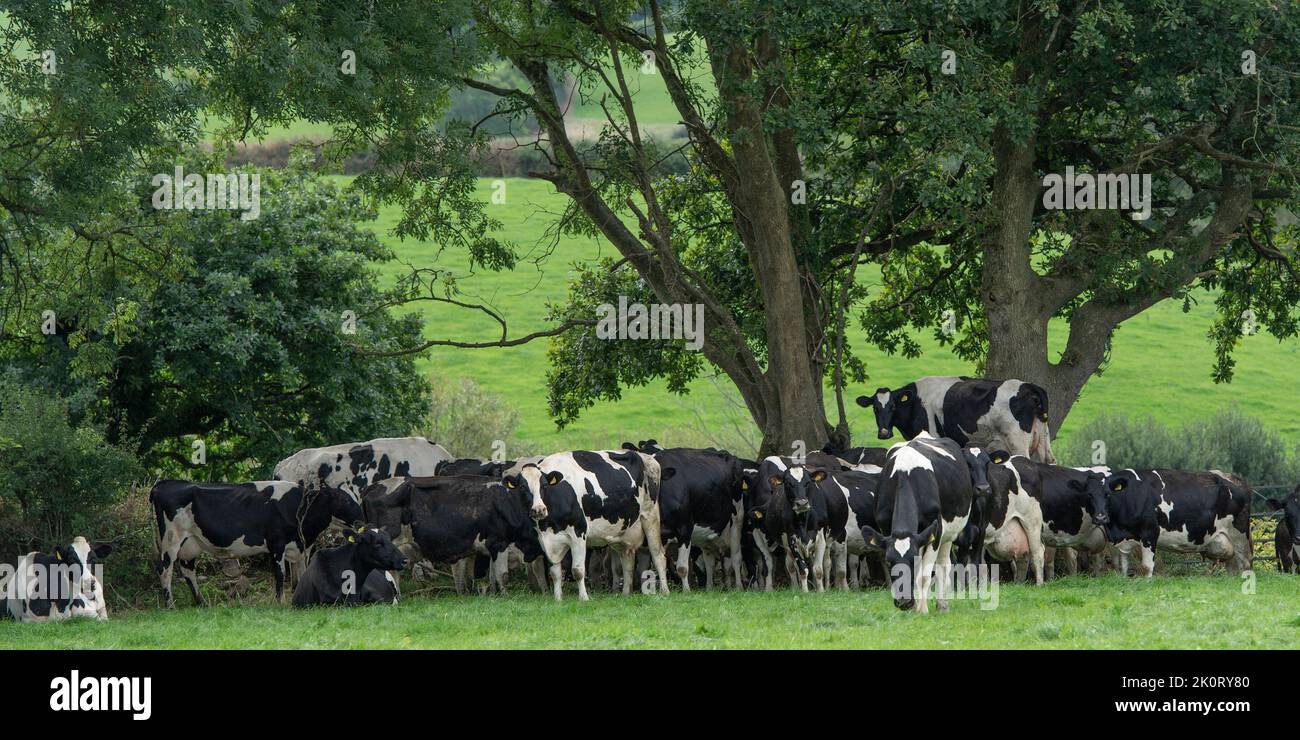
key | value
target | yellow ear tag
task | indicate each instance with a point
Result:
(758, 515)
(58, 555)
(351, 538)
(744, 485)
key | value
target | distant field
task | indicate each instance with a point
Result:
(1161, 360)
(1081, 612)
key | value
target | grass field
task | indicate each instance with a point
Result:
(1160, 364)
(1079, 612)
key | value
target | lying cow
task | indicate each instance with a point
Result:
(1009, 414)
(700, 506)
(1204, 512)
(1287, 537)
(48, 587)
(922, 503)
(354, 466)
(236, 520)
(600, 499)
(356, 572)
(452, 518)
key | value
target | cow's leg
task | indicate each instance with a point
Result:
(166, 564)
(1034, 533)
(943, 574)
(766, 552)
(579, 549)
(627, 557)
(654, 542)
(501, 570)
(710, 559)
(1148, 561)
(191, 577)
(840, 564)
(854, 565)
(819, 562)
(279, 565)
(555, 548)
(684, 563)
(1049, 562)
(1071, 561)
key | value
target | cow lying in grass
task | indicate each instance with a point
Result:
(48, 587)
(356, 572)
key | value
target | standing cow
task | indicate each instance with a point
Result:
(700, 506)
(1009, 414)
(1206, 512)
(606, 498)
(354, 466)
(924, 499)
(1286, 539)
(857, 489)
(1069, 519)
(236, 520)
(763, 529)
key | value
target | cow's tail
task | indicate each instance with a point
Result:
(1040, 440)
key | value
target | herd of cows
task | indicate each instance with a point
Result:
(975, 482)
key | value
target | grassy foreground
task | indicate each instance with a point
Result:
(1080, 612)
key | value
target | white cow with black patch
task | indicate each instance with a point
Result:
(606, 498)
(922, 504)
(999, 414)
(352, 467)
(49, 587)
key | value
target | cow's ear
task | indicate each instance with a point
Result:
(818, 476)
(103, 549)
(864, 401)
(509, 483)
(629, 446)
(744, 484)
(904, 397)
(1274, 504)
(999, 456)
(554, 477)
(1119, 485)
(775, 480)
(872, 537)
(667, 473)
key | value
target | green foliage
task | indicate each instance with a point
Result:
(1228, 440)
(59, 476)
(468, 420)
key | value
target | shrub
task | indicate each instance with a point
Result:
(1228, 440)
(469, 421)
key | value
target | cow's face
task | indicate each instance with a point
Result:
(888, 407)
(343, 508)
(796, 483)
(375, 548)
(1095, 488)
(528, 483)
(1115, 487)
(902, 557)
(81, 562)
(977, 461)
(1290, 508)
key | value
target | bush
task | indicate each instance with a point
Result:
(58, 477)
(1227, 440)
(469, 421)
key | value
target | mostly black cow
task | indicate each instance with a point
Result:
(700, 506)
(923, 501)
(236, 520)
(48, 587)
(356, 572)
(474, 466)
(450, 518)
(999, 414)
(1287, 537)
(353, 467)
(1206, 512)
(764, 530)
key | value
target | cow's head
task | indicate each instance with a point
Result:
(528, 484)
(1290, 508)
(1094, 486)
(977, 462)
(1116, 487)
(795, 482)
(902, 558)
(748, 489)
(889, 406)
(375, 548)
(79, 567)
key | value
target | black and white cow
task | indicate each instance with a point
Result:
(999, 414)
(606, 498)
(700, 506)
(857, 488)
(860, 455)
(236, 520)
(450, 518)
(1069, 520)
(474, 466)
(1012, 515)
(806, 520)
(764, 530)
(923, 501)
(357, 572)
(48, 587)
(1286, 539)
(354, 466)
(1206, 512)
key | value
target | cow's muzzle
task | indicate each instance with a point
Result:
(538, 513)
(1100, 520)
(884, 434)
(983, 490)
(801, 506)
